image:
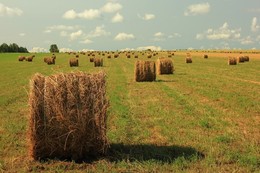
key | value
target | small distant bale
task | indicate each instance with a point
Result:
(240, 59)
(30, 58)
(128, 55)
(21, 58)
(169, 55)
(108, 56)
(246, 58)
(116, 55)
(205, 56)
(68, 117)
(232, 61)
(91, 59)
(77, 56)
(74, 62)
(145, 71)
(136, 56)
(98, 62)
(49, 60)
(164, 66)
(149, 56)
(188, 60)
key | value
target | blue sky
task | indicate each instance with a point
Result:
(130, 24)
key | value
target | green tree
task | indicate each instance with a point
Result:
(13, 47)
(4, 48)
(54, 48)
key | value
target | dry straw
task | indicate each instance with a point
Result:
(205, 56)
(232, 61)
(74, 62)
(164, 66)
(188, 60)
(145, 71)
(240, 59)
(98, 62)
(67, 116)
(21, 58)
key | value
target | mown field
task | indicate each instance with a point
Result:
(203, 118)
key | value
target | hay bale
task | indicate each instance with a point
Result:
(74, 62)
(49, 60)
(232, 61)
(21, 58)
(205, 56)
(128, 55)
(91, 59)
(164, 66)
(108, 56)
(30, 58)
(98, 62)
(145, 71)
(188, 60)
(136, 56)
(240, 59)
(149, 56)
(67, 116)
(246, 58)
(116, 55)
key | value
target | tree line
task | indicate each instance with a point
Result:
(4, 48)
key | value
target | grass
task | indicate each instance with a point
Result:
(203, 118)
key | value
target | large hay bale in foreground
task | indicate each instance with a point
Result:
(164, 66)
(74, 62)
(232, 61)
(67, 116)
(145, 71)
(98, 62)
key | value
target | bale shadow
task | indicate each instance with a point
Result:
(146, 152)
(161, 80)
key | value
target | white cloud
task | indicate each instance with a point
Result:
(63, 34)
(111, 7)
(196, 9)
(65, 50)
(254, 26)
(124, 36)
(117, 18)
(247, 40)
(89, 14)
(50, 29)
(38, 49)
(86, 41)
(155, 48)
(147, 16)
(159, 34)
(223, 32)
(7, 11)
(87, 50)
(76, 35)
(175, 35)
(22, 34)
(71, 14)
(98, 32)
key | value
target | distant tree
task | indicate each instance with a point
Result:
(13, 48)
(54, 48)
(23, 50)
(4, 48)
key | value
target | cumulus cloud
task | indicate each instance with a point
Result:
(223, 32)
(124, 36)
(86, 41)
(50, 29)
(174, 35)
(8, 11)
(246, 41)
(76, 35)
(98, 32)
(117, 18)
(155, 48)
(22, 34)
(159, 34)
(65, 50)
(86, 14)
(147, 16)
(254, 26)
(38, 49)
(197, 9)
(111, 7)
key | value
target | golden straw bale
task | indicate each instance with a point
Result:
(74, 62)
(145, 71)
(98, 62)
(164, 66)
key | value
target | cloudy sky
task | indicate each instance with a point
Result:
(130, 24)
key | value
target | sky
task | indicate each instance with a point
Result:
(82, 25)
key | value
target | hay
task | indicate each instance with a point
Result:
(98, 62)
(30, 58)
(246, 58)
(188, 60)
(74, 62)
(67, 116)
(232, 61)
(116, 55)
(136, 56)
(149, 56)
(164, 66)
(91, 59)
(240, 59)
(205, 56)
(49, 60)
(21, 58)
(145, 71)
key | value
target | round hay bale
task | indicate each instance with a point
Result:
(240, 59)
(232, 61)
(74, 62)
(91, 59)
(30, 58)
(49, 60)
(149, 56)
(205, 56)
(98, 62)
(116, 55)
(188, 60)
(246, 58)
(68, 115)
(128, 55)
(108, 56)
(136, 56)
(145, 71)
(164, 66)
(21, 58)
(77, 56)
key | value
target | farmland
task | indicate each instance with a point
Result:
(203, 118)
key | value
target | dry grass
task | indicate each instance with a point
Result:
(67, 116)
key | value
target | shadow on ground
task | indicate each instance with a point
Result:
(146, 152)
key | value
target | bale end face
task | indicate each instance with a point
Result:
(188, 60)
(145, 71)
(164, 66)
